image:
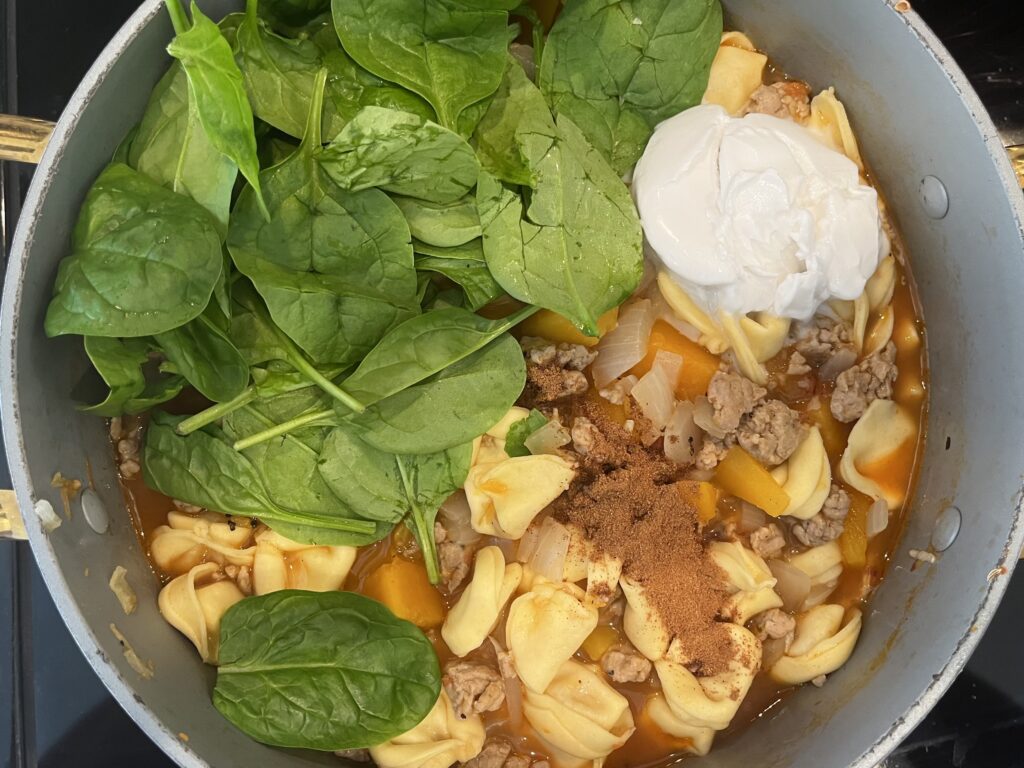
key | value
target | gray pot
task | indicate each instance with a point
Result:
(916, 116)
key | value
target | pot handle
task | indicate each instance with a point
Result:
(1016, 153)
(23, 139)
(11, 524)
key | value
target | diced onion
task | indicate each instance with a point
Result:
(772, 650)
(792, 584)
(548, 559)
(655, 396)
(878, 518)
(528, 543)
(682, 435)
(548, 439)
(751, 518)
(844, 358)
(454, 515)
(625, 345)
(670, 363)
(704, 417)
(818, 595)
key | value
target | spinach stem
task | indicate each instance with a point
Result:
(324, 521)
(282, 429)
(303, 365)
(179, 20)
(216, 411)
(424, 535)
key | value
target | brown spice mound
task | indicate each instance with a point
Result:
(624, 502)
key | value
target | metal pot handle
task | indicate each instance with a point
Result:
(23, 139)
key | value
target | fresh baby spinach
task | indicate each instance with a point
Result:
(144, 260)
(120, 363)
(442, 225)
(516, 438)
(217, 89)
(574, 246)
(473, 277)
(203, 353)
(401, 153)
(450, 52)
(293, 13)
(618, 69)
(172, 148)
(323, 670)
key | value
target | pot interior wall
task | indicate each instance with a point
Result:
(911, 121)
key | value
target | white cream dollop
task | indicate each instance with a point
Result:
(756, 214)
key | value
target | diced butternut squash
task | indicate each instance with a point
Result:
(741, 475)
(599, 641)
(854, 541)
(698, 367)
(833, 433)
(553, 327)
(703, 496)
(403, 586)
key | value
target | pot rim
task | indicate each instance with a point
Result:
(121, 688)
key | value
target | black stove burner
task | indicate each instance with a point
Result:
(54, 712)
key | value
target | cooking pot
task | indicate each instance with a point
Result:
(938, 158)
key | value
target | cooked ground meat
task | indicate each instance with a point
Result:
(768, 541)
(550, 383)
(454, 559)
(617, 392)
(585, 435)
(789, 99)
(713, 450)
(473, 688)
(128, 442)
(837, 504)
(797, 365)
(871, 379)
(771, 433)
(493, 755)
(356, 755)
(623, 664)
(732, 397)
(820, 339)
(774, 624)
(573, 357)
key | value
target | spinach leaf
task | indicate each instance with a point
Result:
(450, 52)
(515, 130)
(203, 353)
(450, 408)
(203, 469)
(402, 153)
(172, 148)
(520, 430)
(334, 267)
(323, 537)
(323, 670)
(217, 89)
(578, 248)
(478, 285)
(120, 363)
(144, 260)
(618, 69)
(422, 347)
(293, 13)
(442, 225)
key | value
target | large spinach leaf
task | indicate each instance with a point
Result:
(120, 363)
(617, 69)
(402, 153)
(450, 52)
(144, 260)
(293, 13)
(442, 225)
(172, 148)
(323, 670)
(576, 249)
(203, 353)
(450, 408)
(217, 89)
(478, 285)
(203, 469)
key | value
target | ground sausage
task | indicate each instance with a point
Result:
(768, 541)
(871, 379)
(789, 99)
(820, 339)
(837, 504)
(585, 435)
(732, 397)
(454, 559)
(473, 688)
(774, 624)
(713, 450)
(771, 432)
(494, 754)
(624, 664)
(574, 357)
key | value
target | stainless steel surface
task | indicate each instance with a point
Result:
(915, 116)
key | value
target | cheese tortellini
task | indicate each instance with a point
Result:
(196, 610)
(440, 740)
(884, 429)
(821, 645)
(824, 565)
(601, 569)
(188, 540)
(579, 716)
(281, 563)
(475, 615)
(831, 124)
(545, 627)
(749, 579)
(806, 476)
(642, 624)
(505, 494)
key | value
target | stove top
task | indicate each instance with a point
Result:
(55, 713)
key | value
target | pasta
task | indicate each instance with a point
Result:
(831, 124)
(824, 565)
(188, 540)
(600, 569)
(440, 740)
(822, 644)
(505, 495)
(281, 563)
(579, 716)
(545, 628)
(736, 73)
(641, 623)
(884, 429)
(475, 614)
(196, 611)
(751, 582)
(806, 477)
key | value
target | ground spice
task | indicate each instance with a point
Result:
(624, 501)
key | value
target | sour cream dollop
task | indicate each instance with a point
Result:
(756, 214)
